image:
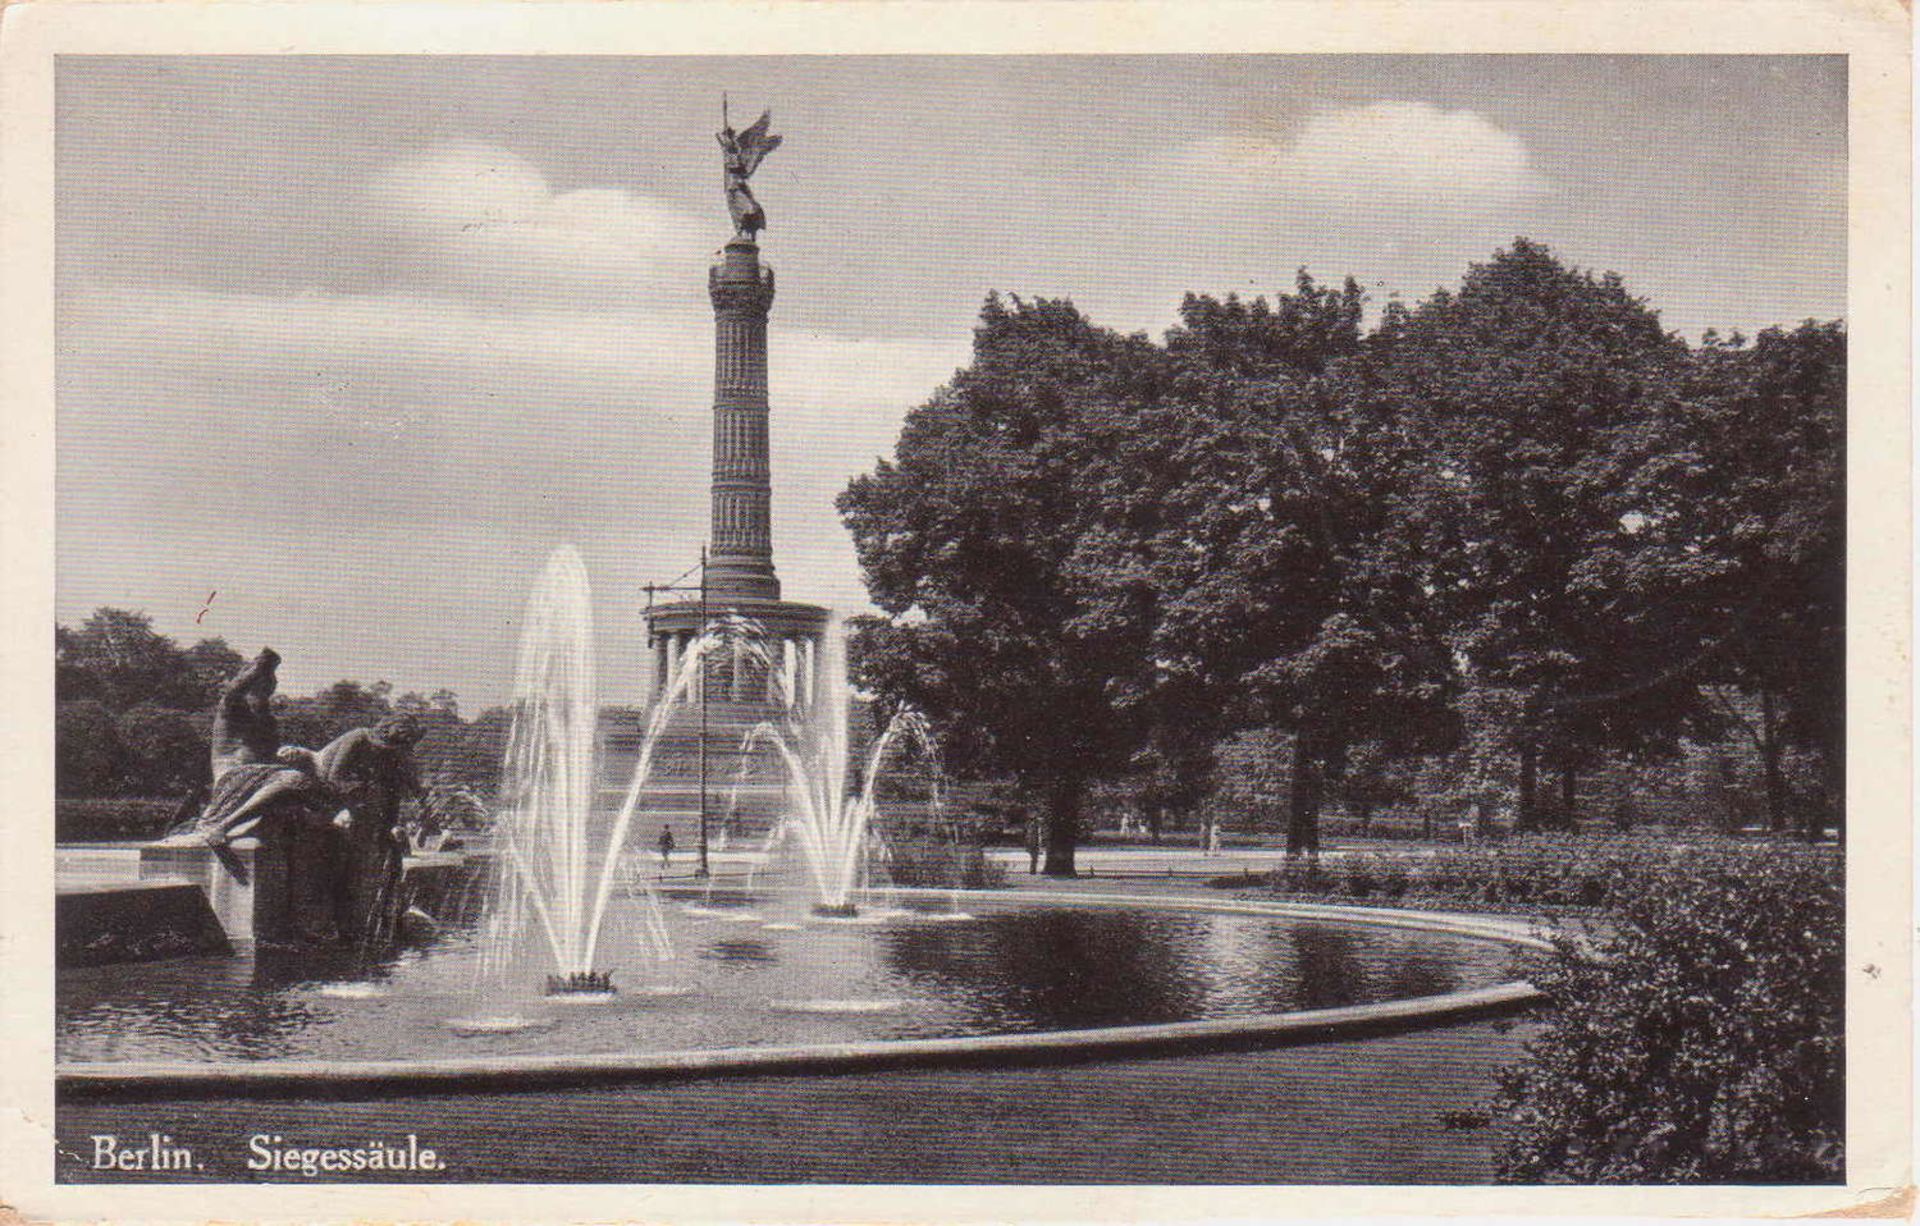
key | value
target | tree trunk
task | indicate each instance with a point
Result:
(1775, 783)
(1569, 793)
(1063, 826)
(1533, 712)
(1155, 817)
(1303, 797)
(1366, 819)
(1731, 819)
(1527, 819)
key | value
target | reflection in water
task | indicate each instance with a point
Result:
(1328, 965)
(1013, 968)
(1056, 969)
(739, 951)
(286, 968)
(1420, 974)
(191, 1008)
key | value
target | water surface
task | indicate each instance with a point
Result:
(760, 974)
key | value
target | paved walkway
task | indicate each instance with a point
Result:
(1190, 863)
(103, 863)
(1398, 1109)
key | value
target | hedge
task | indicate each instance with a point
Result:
(1541, 873)
(119, 818)
(943, 864)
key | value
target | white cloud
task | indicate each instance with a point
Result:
(419, 371)
(537, 368)
(1382, 156)
(1402, 196)
(478, 221)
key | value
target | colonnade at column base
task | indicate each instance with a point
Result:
(783, 671)
(745, 789)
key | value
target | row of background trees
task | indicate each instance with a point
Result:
(1512, 536)
(134, 709)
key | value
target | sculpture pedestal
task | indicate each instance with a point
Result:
(244, 884)
(281, 889)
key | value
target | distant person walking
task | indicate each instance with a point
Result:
(1033, 844)
(666, 847)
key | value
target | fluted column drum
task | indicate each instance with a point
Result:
(742, 528)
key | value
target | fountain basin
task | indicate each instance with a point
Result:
(1030, 980)
(372, 1078)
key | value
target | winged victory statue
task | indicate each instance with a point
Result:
(743, 152)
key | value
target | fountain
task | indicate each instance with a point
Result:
(1120, 973)
(831, 819)
(558, 873)
(545, 823)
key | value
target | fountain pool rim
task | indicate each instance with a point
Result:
(164, 1080)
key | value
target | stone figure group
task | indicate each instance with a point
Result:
(326, 821)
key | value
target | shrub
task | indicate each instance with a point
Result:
(1303, 877)
(1537, 874)
(1700, 1041)
(115, 819)
(920, 860)
(88, 758)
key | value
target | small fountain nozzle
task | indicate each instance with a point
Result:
(836, 910)
(599, 983)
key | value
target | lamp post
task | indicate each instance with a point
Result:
(703, 716)
(651, 589)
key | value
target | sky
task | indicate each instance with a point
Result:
(347, 345)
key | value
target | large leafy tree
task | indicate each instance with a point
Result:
(1539, 388)
(1767, 496)
(166, 749)
(1260, 503)
(117, 657)
(975, 540)
(88, 757)
(132, 706)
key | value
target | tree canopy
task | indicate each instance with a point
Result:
(1100, 554)
(976, 541)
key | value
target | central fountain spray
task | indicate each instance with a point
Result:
(545, 825)
(830, 817)
(560, 853)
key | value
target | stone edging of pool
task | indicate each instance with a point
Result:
(151, 1081)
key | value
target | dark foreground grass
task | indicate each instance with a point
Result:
(1398, 1109)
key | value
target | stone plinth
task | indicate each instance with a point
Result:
(238, 880)
(278, 890)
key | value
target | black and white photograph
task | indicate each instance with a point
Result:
(1227, 619)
